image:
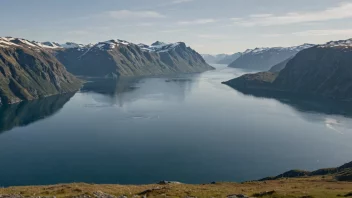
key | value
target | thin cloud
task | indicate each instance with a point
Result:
(173, 30)
(325, 32)
(271, 35)
(213, 36)
(197, 22)
(180, 1)
(129, 14)
(342, 11)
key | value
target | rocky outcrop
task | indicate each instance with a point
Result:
(262, 59)
(29, 71)
(116, 58)
(323, 70)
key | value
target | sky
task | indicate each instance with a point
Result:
(208, 26)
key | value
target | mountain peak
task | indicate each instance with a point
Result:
(158, 43)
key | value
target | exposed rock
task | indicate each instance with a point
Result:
(168, 182)
(100, 194)
(262, 194)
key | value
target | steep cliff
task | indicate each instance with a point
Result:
(28, 71)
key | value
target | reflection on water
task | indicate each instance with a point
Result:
(312, 109)
(25, 113)
(187, 128)
(304, 103)
(120, 91)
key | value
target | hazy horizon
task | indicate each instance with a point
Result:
(210, 27)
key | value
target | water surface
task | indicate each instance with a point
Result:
(188, 128)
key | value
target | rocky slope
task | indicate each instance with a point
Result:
(29, 71)
(324, 70)
(263, 58)
(116, 58)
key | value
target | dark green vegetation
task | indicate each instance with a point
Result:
(29, 72)
(318, 71)
(116, 58)
(27, 112)
(292, 184)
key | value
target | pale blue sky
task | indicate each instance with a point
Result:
(209, 26)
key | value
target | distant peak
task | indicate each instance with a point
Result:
(338, 44)
(158, 43)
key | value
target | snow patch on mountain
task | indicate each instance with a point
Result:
(266, 49)
(69, 45)
(159, 47)
(338, 44)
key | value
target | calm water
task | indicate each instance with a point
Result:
(189, 128)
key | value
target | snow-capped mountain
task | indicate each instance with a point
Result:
(266, 49)
(263, 59)
(71, 45)
(28, 70)
(319, 71)
(122, 58)
(159, 46)
(11, 41)
(338, 44)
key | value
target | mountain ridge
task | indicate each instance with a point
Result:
(323, 70)
(123, 58)
(262, 59)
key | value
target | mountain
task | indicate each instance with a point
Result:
(115, 58)
(29, 71)
(229, 58)
(209, 58)
(264, 58)
(224, 59)
(324, 70)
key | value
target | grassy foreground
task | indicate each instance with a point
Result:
(302, 187)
